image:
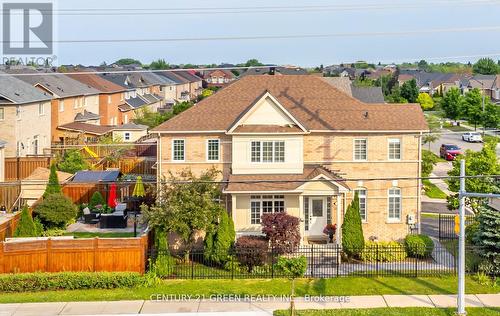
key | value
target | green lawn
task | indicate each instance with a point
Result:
(338, 286)
(432, 191)
(472, 259)
(392, 312)
(100, 235)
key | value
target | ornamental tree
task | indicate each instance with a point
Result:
(26, 227)
(282, 230)
(219, 241)
(56, 211)
(353, 240)
(53, 184)
(453, 104)
(474, 106)
(409, 90)
(185, 205)
(487, 237)
(72, 161)
(425, 101)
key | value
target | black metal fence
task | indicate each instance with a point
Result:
(323, 261)
(447, 225)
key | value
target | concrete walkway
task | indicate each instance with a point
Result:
(241, 306)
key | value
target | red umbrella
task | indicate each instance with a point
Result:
(112, 196)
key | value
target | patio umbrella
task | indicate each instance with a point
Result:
(112, 196)
(139, 188)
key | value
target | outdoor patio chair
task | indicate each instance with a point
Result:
(113, 220)
(90, 217)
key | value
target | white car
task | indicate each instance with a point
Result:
(472, 137)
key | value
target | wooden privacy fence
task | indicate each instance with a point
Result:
(9, 194)
(82, 192)
(52, 255)
(8, 226)
(129, 165)
(21, 167)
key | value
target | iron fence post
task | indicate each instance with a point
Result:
(312, 260)
(337, 260)
(439, 226)
(272, 262)
(376, 261)
(192, 265)
(416, 266)
(232, 269)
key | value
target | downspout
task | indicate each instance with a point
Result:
(419, 183)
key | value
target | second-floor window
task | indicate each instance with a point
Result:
(213, 150)
(41, 109)
(362, 203)
(18, 112)
(394, 205)
(394, 149)
(109, 99)
(126, 136)
(178, 150)
(2, 114)
(61, 106)
(268, 151)
(360, 149)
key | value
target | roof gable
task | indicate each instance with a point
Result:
(266, 110)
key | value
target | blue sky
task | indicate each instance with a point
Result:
(388, 16)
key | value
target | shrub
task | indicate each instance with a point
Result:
(31, 282)
(353, 240)
(488, 239)
(56, 211)
(96, 199)
(282, 230)
(72, 161)
(219, 242)
(471, 231)
(419, 246)
(383, 251)
(292, 267)
(26, 226)
(251, 251)
(53, 184)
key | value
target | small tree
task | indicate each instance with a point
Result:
(453, 104)
(186, 205)
(282, 230)
(96, 199)
(26, 226)
(425, 101)
(487, 237)
(294, 268)
(219, 242)
(251, 251)
(352, 231)
(72, 161)
(56, 211)
(53, 185)
(409, 90)
(474, 106)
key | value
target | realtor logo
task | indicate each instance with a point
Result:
(27, 28)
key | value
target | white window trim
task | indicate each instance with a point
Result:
(260, 199)
(365, 220)
(41, 106)
(61, 106)
(394, 220)
(354, 149)
(2, 109)
(273, 152)
(394, 140)
(218, 150)
(184, 149)
(125, 135)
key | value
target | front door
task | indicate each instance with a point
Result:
(317, 215)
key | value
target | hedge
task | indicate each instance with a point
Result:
(30, 282)
(419, 246)
(387, 251)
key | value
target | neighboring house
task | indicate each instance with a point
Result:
(111, 97)
(195, 83)
(25, 118)
(72, 101)
(182, 85)
(363, 94)
(486, 83)
(163, 87)
(495, 94)
(2, 160)
(297, 144)
(432, 82)
(129, 133)
(275, 70)
(140, 93)
(217, 78)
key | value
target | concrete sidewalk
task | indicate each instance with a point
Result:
(240, 306)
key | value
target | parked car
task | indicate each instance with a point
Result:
(472, 137)
(449, 151)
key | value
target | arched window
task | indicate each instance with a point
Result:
(394, 205)
(362, 203)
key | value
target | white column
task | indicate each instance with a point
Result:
(338, 221)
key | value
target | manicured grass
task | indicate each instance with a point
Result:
(429, 215)
(100, 235)
(432, 191)
(339, 286)
(421, 311)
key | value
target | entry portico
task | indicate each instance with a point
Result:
(316, 197)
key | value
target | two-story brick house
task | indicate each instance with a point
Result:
(297, 144)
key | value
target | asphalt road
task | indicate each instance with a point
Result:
(456, 139)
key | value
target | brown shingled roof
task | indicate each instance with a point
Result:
(86, 128)
(314, 103)
(97, 82)
(267, 129)
(284, 182)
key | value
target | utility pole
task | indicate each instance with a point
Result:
(462, 194)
